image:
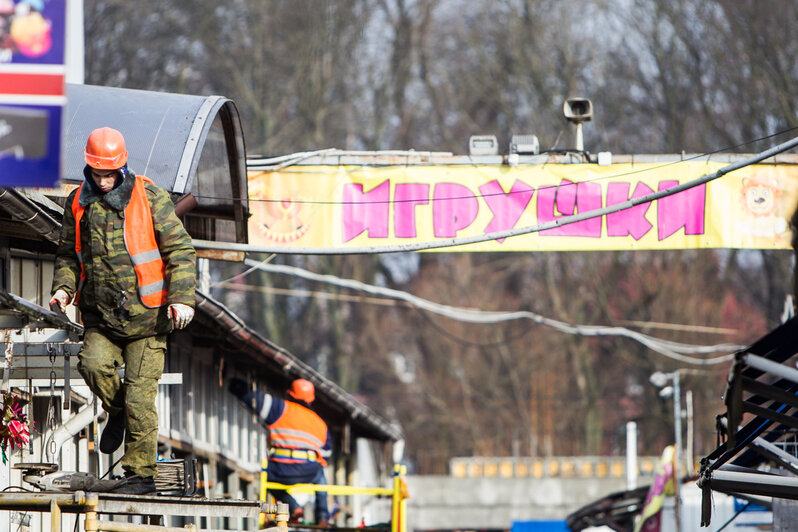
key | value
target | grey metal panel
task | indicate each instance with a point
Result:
(785, 515)
(164, 132)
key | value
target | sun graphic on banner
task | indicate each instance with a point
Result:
(761, 202)
(282, 208)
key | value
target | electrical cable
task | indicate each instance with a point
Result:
(674, 350)
(244, 273)
(112, 467)
(559, 222)
(741, 510)
(463, 341)
(392, 302)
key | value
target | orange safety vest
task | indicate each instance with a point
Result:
(140, 244)
(298, 428)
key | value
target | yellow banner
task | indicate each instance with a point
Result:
(362, 206)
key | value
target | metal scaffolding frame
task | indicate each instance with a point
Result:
(92, 505)
(763, 382)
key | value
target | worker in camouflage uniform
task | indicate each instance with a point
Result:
(128, 264)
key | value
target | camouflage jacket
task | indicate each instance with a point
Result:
(109, 299)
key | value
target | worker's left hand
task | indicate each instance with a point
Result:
(238, 387)
(181, 315)
(60, 300)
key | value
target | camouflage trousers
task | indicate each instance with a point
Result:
(143, 359)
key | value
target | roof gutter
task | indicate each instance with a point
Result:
(27, 212)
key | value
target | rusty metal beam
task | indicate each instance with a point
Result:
(221, 254)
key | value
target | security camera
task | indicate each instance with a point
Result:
(483, 145)
(578, 110)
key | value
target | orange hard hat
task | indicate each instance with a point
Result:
(303, 390)
(105, 149)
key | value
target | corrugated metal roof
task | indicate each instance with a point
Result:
(31, 215)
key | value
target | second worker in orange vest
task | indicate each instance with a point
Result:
(299, 442)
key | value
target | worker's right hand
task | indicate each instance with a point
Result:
(61, 299)
(180, 314)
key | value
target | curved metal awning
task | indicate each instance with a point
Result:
(186, 144)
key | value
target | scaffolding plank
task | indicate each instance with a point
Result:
(120, 504)
(111, 503)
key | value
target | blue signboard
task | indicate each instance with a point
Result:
(539, 526)
(32, 91)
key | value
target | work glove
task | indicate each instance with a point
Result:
(238, 387)
(60, 299)
(180, 314)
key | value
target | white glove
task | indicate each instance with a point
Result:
(181, 315)
(60, 298)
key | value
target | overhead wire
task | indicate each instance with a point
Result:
(674, 350)
(242, 274)
(362, 299)
(464, 341)
(392, 302)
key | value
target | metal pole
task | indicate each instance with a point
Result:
(396, 498)
(631, 455)
(688, 400)
(677, 455)
(5, 480)
(402, 501)
(55, 517)
(580, 143)
(264, 469)
(677, 418)
(90, 523)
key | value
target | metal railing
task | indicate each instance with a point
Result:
(398, 493)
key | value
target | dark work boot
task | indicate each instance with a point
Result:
(113, 434)
(137, 485)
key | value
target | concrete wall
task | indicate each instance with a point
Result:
(445, 502)
(448, 503)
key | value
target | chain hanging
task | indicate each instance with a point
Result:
(50, 423)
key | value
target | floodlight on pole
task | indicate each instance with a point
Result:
(658, 379)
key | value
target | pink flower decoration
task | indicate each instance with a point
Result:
(19, 433)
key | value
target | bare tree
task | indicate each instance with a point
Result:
(689, 75)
